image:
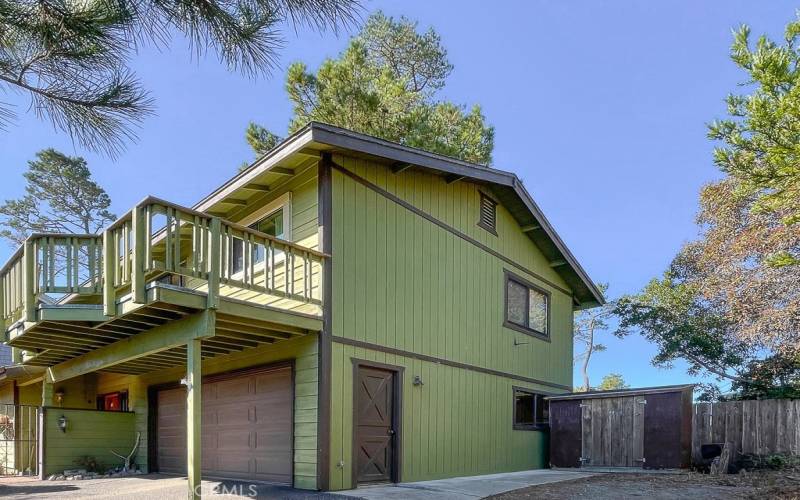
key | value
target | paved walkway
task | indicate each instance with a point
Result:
(464, 488)
(158, 487)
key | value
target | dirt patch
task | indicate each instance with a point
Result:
(689, 486)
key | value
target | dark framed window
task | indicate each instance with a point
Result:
(488, 214)
(531, 411)
(113, 401)
(272, 225)
(527, 307)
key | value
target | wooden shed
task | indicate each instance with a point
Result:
(647, 428)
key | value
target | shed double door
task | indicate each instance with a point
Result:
(613, 431)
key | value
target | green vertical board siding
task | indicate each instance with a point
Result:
(403, 282)
(89, 433)
(302, 350)
(458, 423)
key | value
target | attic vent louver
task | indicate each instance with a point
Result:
(488, 215)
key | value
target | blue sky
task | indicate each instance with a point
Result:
(599, 106)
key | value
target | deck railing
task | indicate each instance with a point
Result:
(157, 238)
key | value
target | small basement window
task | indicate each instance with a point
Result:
(488, 215)
(114, 401)
(527, 307)
(531, 411)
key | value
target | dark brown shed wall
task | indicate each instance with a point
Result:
(667, 429)
(565, 433)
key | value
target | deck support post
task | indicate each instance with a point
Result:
(47, 389)
(29, 273)
(193, 411)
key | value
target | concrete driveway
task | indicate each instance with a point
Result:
(158, 487)
(464, 488)
(148, 487)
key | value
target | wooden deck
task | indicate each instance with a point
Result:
(66, 296)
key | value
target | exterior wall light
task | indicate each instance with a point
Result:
(59, 396)
(62, 423)
(418, 380)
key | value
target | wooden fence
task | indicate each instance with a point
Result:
(753, 427)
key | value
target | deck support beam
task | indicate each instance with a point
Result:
(161, 338)
(193, 414)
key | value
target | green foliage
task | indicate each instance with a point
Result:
(776, 377)
(260, 140)
(72, 58)
(384, 84)
(761, 138)
(60, 197)
(611, 382)
(671, 314)
(775, 461)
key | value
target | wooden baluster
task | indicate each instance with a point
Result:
(52, 266)
(67, 261)
(305, 276)
(223, 258)
(250, 260)
(286, 255)
(195, 268)
(109, 242)
(265, 263)
(176, 254)
(76, 267)
(45, 263)
(168, 242)
(272, 265)
(91, 262)
(126, 249)
(66, 245)
(215, 265)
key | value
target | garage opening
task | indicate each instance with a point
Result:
(246, 426)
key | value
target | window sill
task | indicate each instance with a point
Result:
(527, 331)
(532, 427)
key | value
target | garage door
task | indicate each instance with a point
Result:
(246, 431)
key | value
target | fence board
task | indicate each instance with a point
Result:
(752, 427)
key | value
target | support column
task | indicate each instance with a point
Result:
(193, 410)
(47, 389)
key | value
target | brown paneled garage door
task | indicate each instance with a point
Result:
(246, 432)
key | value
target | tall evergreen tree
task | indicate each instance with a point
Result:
(72, 58)
(60, 197)
(385, 84)
(760, 140)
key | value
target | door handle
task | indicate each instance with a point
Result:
(390, 432)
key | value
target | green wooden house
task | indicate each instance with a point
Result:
(346, 310)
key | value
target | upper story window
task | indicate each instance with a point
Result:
(527, 307)
(488, 216)
(531, 411)
(272, 220)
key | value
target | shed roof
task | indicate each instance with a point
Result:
(316, 138)
(623, 392)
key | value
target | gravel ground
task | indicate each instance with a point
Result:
(760, 485)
